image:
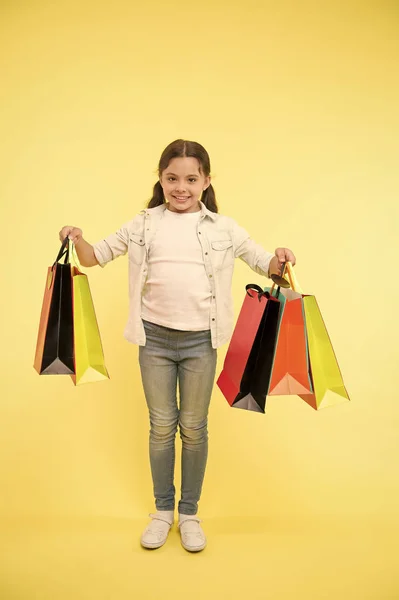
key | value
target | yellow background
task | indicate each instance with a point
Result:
(297, 104)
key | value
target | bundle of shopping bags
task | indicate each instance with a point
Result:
(280, 346)
(69, 341)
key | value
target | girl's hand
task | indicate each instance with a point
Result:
(74, 233)
(282, 255)
(285, 255)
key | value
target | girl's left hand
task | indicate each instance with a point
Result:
(282, 255)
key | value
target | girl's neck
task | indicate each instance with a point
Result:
(176, 212)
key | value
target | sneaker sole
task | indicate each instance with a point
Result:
(194, 548)
(150, 546)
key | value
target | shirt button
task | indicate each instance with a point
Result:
(210, 275)
(206, 253)
(199, 233)
(213, 319)
(213, 297)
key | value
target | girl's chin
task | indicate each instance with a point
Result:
(187, 206)
(180, 201)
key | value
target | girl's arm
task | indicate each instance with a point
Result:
(102, 252)
(256, 256)
(85, 253)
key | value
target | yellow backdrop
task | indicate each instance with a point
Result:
(297, 104)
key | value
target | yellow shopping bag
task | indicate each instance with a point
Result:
(89, 355)
(328, 385)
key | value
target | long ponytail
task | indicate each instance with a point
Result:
(209, 199)
(181, 149)
(157, 196)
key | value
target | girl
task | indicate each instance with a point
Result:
(181, 259)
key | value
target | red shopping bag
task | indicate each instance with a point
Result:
(244, 380)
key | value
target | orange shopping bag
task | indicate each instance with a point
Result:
(290, 374)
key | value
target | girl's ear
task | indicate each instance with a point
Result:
(207, 183)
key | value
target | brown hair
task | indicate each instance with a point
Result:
(179, 149)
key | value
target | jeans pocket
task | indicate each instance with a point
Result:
(151, 329)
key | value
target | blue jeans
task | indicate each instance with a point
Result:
(169, 357)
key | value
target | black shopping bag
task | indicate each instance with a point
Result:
(255, 381)
(55, 342)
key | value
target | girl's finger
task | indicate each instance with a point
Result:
(65, 231)
(290, 257)
(280, 253)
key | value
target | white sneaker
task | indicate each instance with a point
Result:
(156, 533)
(192, 536)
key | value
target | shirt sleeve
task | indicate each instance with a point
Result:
(112, 246)
(256, 257)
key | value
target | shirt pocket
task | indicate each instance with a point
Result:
(222, 254)
(136, 248)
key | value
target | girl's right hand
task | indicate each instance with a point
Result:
(74, 233)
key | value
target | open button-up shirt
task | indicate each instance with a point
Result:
(222, 241)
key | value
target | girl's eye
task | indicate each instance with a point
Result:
(191, 180)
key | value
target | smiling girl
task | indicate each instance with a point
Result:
(181, 261)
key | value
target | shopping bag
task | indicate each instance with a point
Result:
(89, 356)
(54, 348)
(245, 377)
(290, 372)
(328, 384)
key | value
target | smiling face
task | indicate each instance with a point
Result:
(183, 183)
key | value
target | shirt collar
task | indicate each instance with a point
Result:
(162, 207)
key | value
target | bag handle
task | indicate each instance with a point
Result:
(64, 251)
(279, 278)
(258, 289)
(289, 269)
(69, 251)
(292, 277)
(74, 257)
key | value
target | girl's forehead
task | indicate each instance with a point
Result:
(184, 163)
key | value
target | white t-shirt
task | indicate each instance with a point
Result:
(177, 293)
